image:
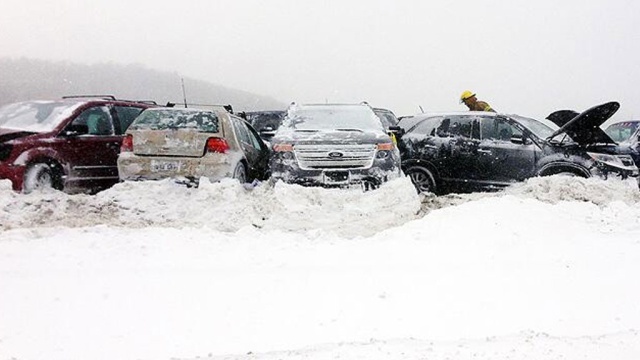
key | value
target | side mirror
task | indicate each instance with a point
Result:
(76, 130)
(520, 140)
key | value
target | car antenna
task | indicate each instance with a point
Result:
(184, 93)
(421, 109)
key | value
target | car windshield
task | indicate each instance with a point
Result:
(387, 117)
(538, 128)
(164, 119)
(621, 132)
(332, 117)
(263, 120)
(35, 116)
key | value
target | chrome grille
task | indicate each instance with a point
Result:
(339, 156)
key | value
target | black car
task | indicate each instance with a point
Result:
(265, 122)
(482, 150)
(333, 145)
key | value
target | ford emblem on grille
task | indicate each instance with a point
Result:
(335, 154)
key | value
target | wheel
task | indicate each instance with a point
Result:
(240, 173)
(422, 179)
(40, 177)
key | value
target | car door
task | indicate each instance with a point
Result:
(459, 136)
(91, 154)
(254, 149)
(505, 153)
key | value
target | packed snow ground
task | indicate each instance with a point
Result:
(544, 270)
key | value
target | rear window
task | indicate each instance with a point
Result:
(164, 119)
(36, 116)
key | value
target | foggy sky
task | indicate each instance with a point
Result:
(525, 57)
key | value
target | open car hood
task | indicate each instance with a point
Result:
(584, 128)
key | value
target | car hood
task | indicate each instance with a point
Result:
(10, 134)
(330, 137)
(584, 128)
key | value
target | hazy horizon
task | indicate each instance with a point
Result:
(529, 58)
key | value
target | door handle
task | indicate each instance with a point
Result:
(483, 151)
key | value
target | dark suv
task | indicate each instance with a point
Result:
(265, 122)
(481, 150)
(334, 145)
(70, 144)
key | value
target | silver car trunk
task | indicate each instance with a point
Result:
(172, 142)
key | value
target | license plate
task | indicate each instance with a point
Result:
(158, 166)
(336, 177)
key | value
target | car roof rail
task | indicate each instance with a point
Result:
(226, 107)
(107, 97)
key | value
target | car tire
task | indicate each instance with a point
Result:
(422, 179)
(39, 177)
(240, 173)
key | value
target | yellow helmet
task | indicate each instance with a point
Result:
(465, 95)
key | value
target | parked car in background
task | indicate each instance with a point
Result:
(187, 144)
(265, 122)
(71, 144)
(333, 145)
(387, 117)
(627, 133)
(482, 150)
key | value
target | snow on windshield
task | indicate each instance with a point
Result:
(162, 119)
(332, 117)
(35, 116)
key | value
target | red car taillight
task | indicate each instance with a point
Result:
(217, 145)
(127, 144)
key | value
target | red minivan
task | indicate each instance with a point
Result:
(70, 144)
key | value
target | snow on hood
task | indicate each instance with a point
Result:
(223, 206)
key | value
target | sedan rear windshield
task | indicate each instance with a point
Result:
(166, 119)
(35, 116)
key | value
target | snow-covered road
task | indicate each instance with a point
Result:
(544, 270)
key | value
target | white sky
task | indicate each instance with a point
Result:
(526, 57)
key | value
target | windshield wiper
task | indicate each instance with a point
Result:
(345, 129)
(306, 130)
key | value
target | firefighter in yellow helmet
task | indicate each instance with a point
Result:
(469, 99)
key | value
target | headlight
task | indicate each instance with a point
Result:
(611, 160)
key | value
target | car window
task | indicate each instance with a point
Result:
(163, 119)
(126, 115)
(36, 116)
(464, 126)
(97, 119)
(241, 131)
(428, 126)
(498, 129)
(255, 140)
(622, 131)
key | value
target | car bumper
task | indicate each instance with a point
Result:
(213, 166)
(292, 173)
(14, 173)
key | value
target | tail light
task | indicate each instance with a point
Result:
(127, 144)
(217, 145)
(282, 147)
(385, 146)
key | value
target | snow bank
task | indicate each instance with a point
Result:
(223, 206)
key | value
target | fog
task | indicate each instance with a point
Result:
(525, 57)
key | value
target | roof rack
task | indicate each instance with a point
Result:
(227, 107)
(110, 97)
